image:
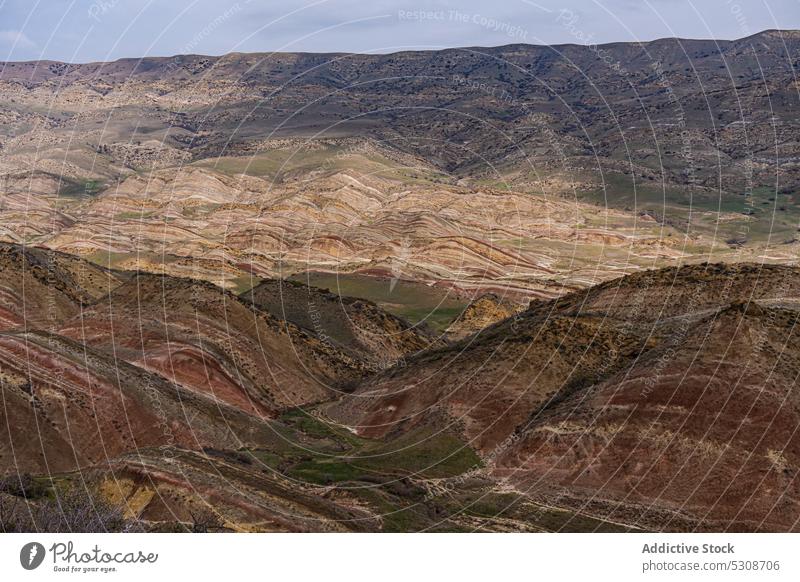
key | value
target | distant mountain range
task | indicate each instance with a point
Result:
(705, 113)
(484, 289)
(474, 166)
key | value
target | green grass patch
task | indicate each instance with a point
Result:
(302, 421)
(79, 188)
(415, 302)
(321, 453)
(132, 215)
(245, 283)
(424, 453)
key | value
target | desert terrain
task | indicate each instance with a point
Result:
(520, 288)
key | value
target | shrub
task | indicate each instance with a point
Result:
(71, 510)
(22, 485)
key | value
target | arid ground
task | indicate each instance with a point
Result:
(521, 288)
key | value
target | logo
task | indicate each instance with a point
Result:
(31, 555)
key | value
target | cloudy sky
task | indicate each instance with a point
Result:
(92, 30)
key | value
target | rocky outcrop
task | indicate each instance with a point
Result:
(480, 314)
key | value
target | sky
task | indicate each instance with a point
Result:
(101, 30)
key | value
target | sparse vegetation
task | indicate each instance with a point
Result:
(170, 372)
(70, 509)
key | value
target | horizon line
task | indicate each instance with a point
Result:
(780, 31)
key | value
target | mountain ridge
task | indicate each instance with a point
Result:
(769, 32)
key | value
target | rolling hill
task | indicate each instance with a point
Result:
(661, 400)
(519, 288)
